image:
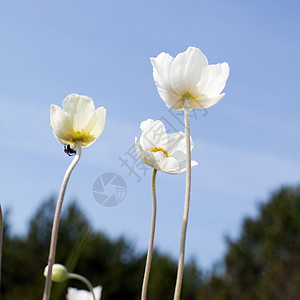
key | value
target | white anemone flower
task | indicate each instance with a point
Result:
(74, 294)
(162, 151)
(189, 76)
(77, 121)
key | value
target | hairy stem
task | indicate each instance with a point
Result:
(186, 202)
(151, 240)
(84, 280)
(55, 225)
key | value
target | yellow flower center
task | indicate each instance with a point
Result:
(188, 95)
(162, 150)
(82, 136)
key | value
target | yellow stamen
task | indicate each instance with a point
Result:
(162, 150)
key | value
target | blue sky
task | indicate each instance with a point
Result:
(246, 146)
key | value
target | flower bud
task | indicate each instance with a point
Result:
(59, 273)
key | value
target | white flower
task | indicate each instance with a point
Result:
(189, 76)
(74, 294)
(77, 121)
(162, 151)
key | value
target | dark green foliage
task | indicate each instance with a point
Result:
(264, 263)
(114, 264)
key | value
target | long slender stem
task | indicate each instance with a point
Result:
(151, 240)
(85, 281)
(54, 233)
(187, 199)
(1, 241)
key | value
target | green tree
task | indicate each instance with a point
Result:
(264, 263)
(113, 263)
(24, 258)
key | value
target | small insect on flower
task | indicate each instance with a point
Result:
(69, 150)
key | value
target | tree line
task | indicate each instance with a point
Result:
(263, 263)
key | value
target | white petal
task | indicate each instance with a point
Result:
(153, 134)
(157, 160)
(146, 125)
(145, 156)
(138, 147)
(61, 126)
(186, 71)
(97, 291)
(142, 154)
(172, 100)
(206, 102)
(75, 294)
(182, 166)
(161, 70)
(79, 110)
(179, 155)
(96, 125)
(216, 77)
(175, 141)
(161, 75)
(168, 165)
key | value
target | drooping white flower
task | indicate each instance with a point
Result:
(189, 76)
(162, 151)
(77, 121)
(74, 294)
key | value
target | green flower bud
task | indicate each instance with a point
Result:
(59, 273)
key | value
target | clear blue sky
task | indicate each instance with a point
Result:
(246, 146)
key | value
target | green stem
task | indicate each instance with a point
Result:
(187, 200)
(84, 280)
(55, 225)
(151, 240)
